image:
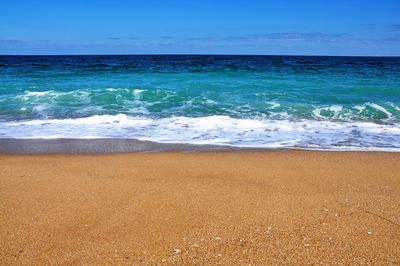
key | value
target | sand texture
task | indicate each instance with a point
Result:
(228, 208)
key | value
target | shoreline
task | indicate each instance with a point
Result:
(269, 207)
(123, 145)
(102, 146)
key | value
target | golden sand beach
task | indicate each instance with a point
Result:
(228, 208)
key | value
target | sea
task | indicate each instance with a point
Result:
(295, 102)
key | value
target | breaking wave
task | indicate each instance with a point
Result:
(216, 130)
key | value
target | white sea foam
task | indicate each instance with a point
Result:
(114, 89)
(335, 109)
(219, 130)
(40, 108)
(137, 92)
(37, 93)
(361, 108)
(273, 105)
(29, 95)
(209, 101)
(379, 108)
(355, 112)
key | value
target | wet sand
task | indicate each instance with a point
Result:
(296, 207)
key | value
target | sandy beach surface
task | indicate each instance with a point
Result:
(236, 208)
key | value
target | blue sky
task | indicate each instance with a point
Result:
(309, 27)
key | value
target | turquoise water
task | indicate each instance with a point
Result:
(254, 101)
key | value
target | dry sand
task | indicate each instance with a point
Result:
(291, 207)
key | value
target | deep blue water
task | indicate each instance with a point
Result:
(259, 101)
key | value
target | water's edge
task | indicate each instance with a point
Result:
(116, 145)
(100, 146)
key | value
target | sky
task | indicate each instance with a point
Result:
(280, 27)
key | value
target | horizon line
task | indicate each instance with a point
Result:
(199, 54)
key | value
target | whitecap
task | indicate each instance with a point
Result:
(380, 108)
(273, 105)
(335, 109)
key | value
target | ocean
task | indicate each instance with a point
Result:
(333, 103)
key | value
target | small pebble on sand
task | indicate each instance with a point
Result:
(177, 250)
